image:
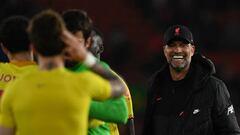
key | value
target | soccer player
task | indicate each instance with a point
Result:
(56, 101)
(97, 48)
(16, 45)
(80, 25)
(96, 43)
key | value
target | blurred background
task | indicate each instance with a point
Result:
(133, 34)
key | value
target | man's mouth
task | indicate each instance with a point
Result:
(177, 57)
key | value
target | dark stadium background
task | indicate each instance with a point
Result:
(133, 33)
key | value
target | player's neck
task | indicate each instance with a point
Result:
(21, 56)
(49, 63)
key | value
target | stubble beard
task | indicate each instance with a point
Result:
(180, 67)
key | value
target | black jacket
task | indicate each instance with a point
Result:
(206, 110)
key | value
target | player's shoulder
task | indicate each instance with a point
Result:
(31, 67)
(14, 67)
(27, 73)
(86, 74)
(71, 76)
(5, 65)
(104, 64)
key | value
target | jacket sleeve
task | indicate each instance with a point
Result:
(147, 116)
(148, 108)
(223, 115)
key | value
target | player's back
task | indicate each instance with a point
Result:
(54, 102)
(9, 71)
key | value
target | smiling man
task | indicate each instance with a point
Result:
(184, 97)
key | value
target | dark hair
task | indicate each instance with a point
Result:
(96, 31)
(13, 34)
(45, 32)
(78, 20)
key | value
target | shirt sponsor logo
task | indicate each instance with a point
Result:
(7, 77)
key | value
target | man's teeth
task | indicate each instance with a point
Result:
(177, 57)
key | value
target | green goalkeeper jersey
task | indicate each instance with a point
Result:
(102, 113)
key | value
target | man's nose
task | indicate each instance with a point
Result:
(177, 49)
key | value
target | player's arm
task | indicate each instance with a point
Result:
(6, 131)
(130, 123)
(117, 111)
(116, 85)
(79, 53)
(128, 99)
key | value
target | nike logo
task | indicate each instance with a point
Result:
(195, 111)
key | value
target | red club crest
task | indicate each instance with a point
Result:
(177, 31)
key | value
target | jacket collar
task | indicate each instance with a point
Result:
(200, 71)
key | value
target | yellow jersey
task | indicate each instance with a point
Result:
(52, 102)
(113, 128)
(9, 71)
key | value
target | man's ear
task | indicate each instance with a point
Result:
(164, 49)
(88, 42)
(4, 49)
(193, 49)
(32, 49)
